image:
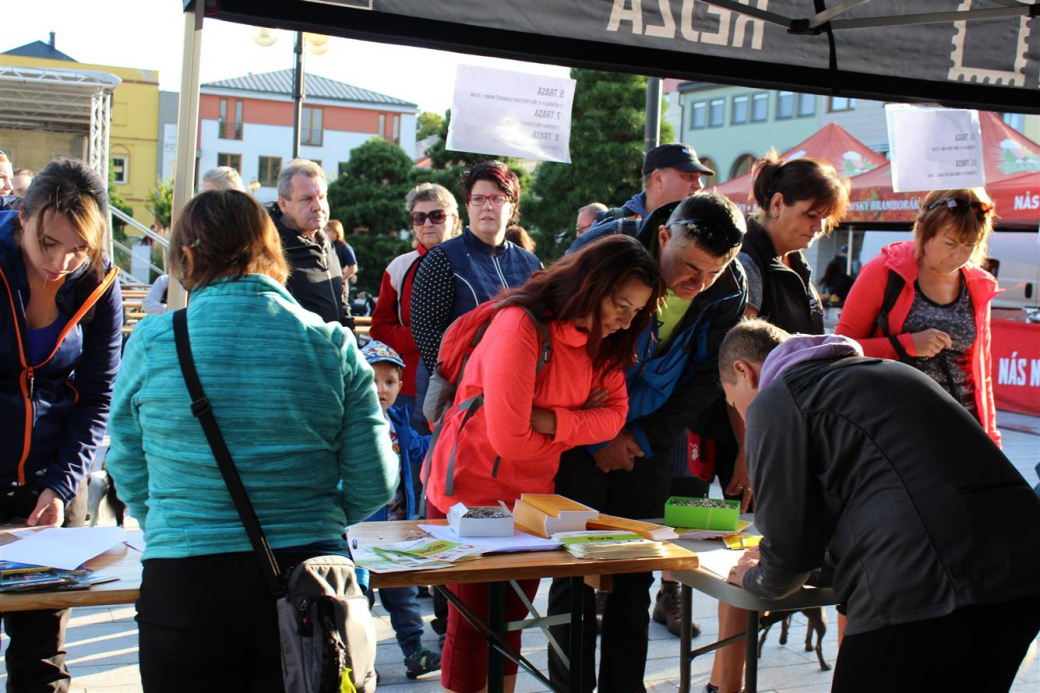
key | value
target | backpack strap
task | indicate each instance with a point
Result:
(201, 409)
(893, 287)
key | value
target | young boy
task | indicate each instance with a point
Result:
(401, 602)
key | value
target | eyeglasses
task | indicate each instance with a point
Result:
(496, 200)
(710, 231)
(437, 216)
(961, 205)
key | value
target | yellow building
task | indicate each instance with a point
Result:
(134, 139)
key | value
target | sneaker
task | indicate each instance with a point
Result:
(422, 661)
(668, 609)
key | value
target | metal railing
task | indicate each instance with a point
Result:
(311, 136)
(127, 219)
(226, 130)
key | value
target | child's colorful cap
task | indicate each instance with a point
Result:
(374, 352)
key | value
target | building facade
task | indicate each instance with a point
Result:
(134, 135)
(247, 123)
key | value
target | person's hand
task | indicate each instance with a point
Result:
(597, 398)
(619, 453)
(930, 342)
(543, 421)
(748, 561)
(740, 483)
(49, 511)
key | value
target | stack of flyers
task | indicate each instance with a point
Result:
(49, 579)
(602, 545)
(686, 533)
(426, 553)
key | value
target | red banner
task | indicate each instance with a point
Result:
(1016, 366)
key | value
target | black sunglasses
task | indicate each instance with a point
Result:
(961, 205)
(710, 231)
(437, 216)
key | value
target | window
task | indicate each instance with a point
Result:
(840, 103)
(397, 129)
(706, 179)
(342, 168)
(1015, 120)
(230, 128)
(784, 105)
(806, 105)
(382, 125)
(269, 168)
(741, 166)
(120, 169)
(740, 110)
(232, 160)
(310, 126)
(759, 107)
(699, 115)
(716, 113)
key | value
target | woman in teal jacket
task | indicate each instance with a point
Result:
(296, 404)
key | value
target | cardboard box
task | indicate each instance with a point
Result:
(480, 526)
(693, 517)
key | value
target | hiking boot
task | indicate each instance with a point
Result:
(668, 609)
(422, 661)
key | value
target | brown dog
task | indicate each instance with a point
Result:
(817, 624)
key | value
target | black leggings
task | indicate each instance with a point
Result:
(975, 648)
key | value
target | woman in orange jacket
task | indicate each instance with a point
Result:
(939, 321)
(594, 303)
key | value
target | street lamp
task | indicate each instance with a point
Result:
(315, 44)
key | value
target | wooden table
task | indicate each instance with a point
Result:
(121, 561)
(715, 586)
(497, 569)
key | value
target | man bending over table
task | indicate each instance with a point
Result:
(931, 530)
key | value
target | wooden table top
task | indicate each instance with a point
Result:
(120, 561)
(509, 566)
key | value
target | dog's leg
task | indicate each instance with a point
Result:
(785, 626)
(762, 638)
(818, 625)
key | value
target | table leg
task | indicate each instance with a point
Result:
(751, 658)
(497, 625)
(685, 636)
(578, 625)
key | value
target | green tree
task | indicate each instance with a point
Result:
(160, 202)
(374, 253)
(606, 147)
(428, 123)
(371, 191)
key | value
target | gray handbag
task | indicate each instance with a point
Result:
(328, 639)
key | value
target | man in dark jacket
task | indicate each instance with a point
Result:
(676, 378)
(300, 215)
(871, 463)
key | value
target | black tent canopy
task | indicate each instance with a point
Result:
(964, 53)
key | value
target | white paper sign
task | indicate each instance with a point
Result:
(511, 114)
(934, 148)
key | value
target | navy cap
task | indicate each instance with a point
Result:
(680, 156)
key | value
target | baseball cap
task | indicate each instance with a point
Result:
(374, 352)
(676, 155)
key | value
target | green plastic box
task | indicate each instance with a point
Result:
(702, 518)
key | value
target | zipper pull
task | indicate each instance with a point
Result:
(31, 382)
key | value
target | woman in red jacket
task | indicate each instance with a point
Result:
(939, 323)
(434, 216)
(595, 303)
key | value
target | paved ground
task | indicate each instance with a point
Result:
(102, 641)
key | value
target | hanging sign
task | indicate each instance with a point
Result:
(507, 113)
(934, 148)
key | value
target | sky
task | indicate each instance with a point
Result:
(149, 34)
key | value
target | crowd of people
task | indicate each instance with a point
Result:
(671, 316)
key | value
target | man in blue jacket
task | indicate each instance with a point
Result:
(676, 377)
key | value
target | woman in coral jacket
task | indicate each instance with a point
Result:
(61, 314)
(940, 322)
(434, 215)
(594, 302)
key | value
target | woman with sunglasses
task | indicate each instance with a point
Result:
(940, 320)
(435, 218)
(798, 201)
(460, 274)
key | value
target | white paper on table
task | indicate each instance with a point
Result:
(66, 548)
(520, 541)
(719, 561)
(136, 541)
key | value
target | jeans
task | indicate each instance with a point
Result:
(35, 656)
(405, 616)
